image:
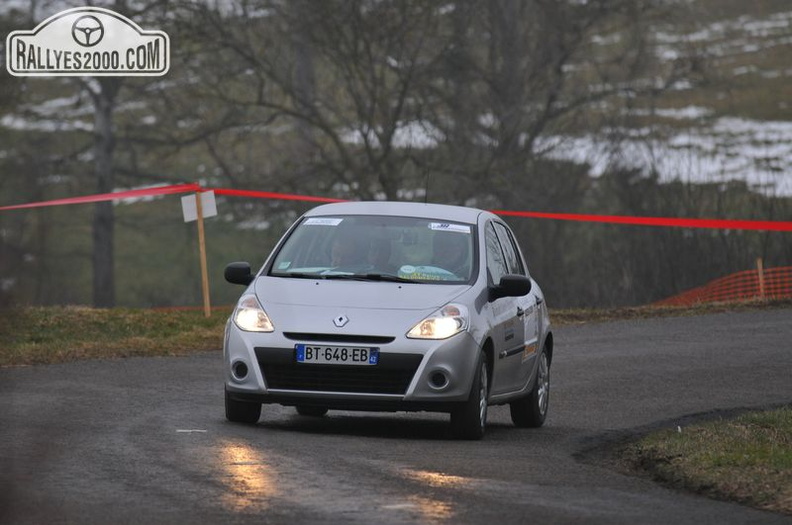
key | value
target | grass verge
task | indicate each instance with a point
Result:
(45, 335)
(563, 317)
(747, 459)
(56, 334)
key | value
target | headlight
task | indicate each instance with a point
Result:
(447, 321)
(250, 317)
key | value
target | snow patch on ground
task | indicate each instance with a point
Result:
(728, 148)
(725, 38)
(757, 152)
(686, 113)
(414, 134)
(47, 125)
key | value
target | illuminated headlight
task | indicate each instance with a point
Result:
(447, 321)
(250, 317)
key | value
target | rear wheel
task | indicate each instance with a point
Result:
(241, 411)
(531, 411)
(469, 420)
(311, 411)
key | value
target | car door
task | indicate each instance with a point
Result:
(520, 364)
(507, 328)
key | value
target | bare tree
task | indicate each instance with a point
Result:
(535, 69)
(345, 86)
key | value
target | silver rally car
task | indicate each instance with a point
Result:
(391, 306)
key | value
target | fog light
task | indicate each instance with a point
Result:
(438, 380)
(240, 370)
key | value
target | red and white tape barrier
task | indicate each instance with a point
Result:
(101, 197)
(721, 224)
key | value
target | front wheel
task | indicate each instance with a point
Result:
(531, 411)
(241, 411)
(469, 420)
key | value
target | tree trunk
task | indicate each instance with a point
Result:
(103, 219)
(304, 80)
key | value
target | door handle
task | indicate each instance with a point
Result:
(520, 312)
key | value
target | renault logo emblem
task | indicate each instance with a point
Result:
(340, 321)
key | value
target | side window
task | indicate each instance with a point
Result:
(496, 263)
(510, 250)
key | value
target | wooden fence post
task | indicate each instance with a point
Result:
(760, 273)
(202, 251)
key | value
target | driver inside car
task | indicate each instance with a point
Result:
(379, 254)
(450, 252)
(344, 252)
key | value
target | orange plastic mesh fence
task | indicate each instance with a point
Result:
(740, 286)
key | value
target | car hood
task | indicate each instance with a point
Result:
(354, 294)
(374, 308)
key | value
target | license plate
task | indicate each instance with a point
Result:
(337, 355)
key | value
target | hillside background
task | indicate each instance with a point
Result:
(640, 107)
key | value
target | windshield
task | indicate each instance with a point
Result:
(378, 248)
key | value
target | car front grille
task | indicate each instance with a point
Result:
(339, 338)
(392, 375)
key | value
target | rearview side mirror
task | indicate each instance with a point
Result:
(238, 273)
(511, 285)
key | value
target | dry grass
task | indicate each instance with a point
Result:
(748, 459)
(585, 315)
(44, 335)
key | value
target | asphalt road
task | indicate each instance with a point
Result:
(145, 440)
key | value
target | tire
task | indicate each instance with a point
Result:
(242, 411)
(469, 420)
(531, 411)
(311, 411)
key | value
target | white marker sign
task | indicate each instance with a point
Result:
(208, 206)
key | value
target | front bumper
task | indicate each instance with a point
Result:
(335, 402)
(406, 377)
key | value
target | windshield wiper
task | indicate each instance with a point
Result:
(371, 277)
(300, 275)
(348, 276)
(389, 277)
(345, 276)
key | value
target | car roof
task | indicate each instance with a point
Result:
(406, 209)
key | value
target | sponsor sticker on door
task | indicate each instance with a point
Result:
(88, 41)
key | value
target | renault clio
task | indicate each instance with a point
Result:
(391, 306)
